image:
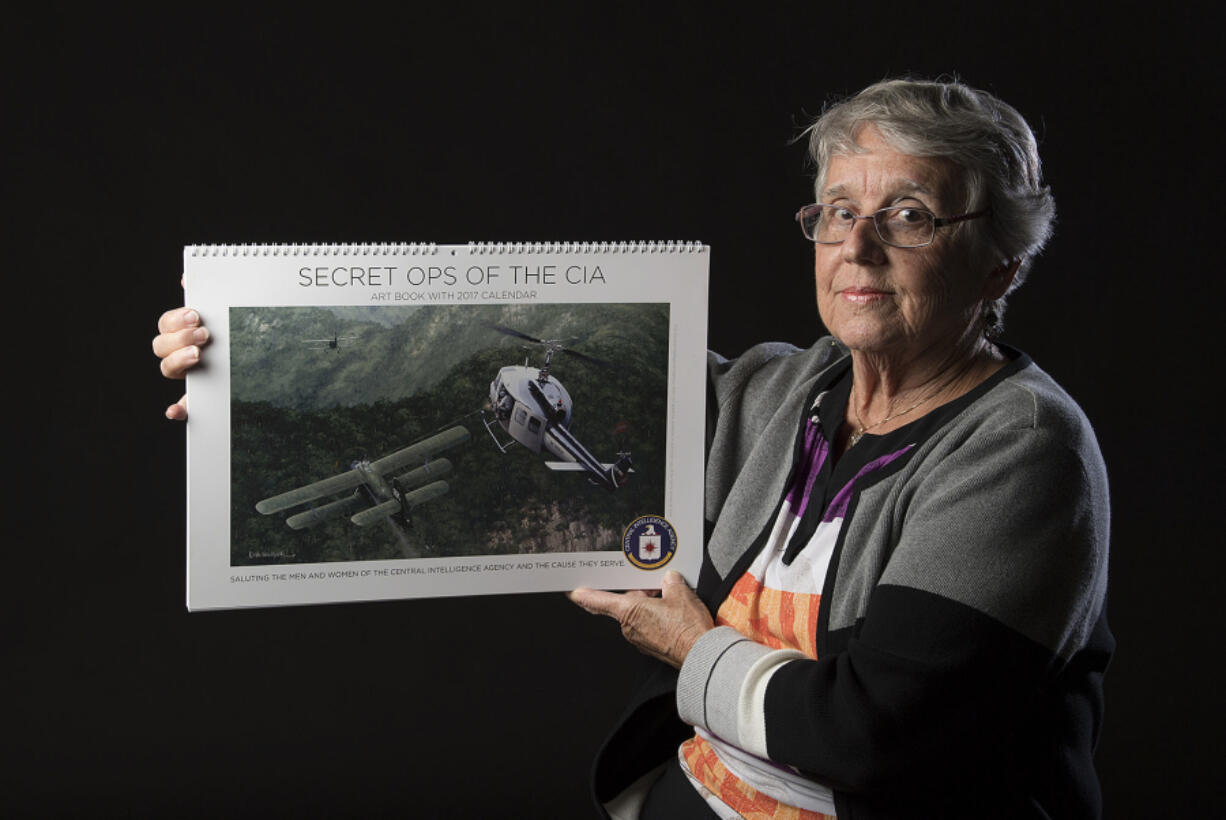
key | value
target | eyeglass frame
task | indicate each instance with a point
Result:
(937, 221)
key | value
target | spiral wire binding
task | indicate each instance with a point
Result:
(317, 249)
(670, 246)
(432, 249)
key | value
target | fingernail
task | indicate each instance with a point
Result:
(672, 576)
(200, 335)
(191, 353)
(191, 317)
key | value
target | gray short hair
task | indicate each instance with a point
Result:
(984, 135)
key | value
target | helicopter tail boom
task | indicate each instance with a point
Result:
(562, 443)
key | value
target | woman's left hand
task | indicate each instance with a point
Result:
(664, 626)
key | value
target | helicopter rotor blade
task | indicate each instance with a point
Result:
(510, 332)
(586, 358)
(556, 345)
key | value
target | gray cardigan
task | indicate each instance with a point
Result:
(962, 634)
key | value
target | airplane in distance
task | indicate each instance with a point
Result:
(378, 492)
(328, 344)
(535, 410)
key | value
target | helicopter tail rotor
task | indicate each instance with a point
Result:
(622, 468)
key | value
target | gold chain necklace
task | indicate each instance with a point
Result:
(859, 433)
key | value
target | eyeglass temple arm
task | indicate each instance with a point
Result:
(940, 222)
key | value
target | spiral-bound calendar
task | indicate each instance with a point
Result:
(384, 420)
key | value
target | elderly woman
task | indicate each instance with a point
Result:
(901, 607)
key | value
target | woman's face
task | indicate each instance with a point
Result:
(901, 303)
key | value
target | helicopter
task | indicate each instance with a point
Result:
(375, 496)
(328, 344)
(535, 410)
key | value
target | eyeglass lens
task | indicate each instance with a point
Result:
(903, 227)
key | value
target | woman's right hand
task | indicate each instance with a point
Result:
(180, 337)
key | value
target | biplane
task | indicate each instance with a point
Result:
(378, 493)
(535, 410)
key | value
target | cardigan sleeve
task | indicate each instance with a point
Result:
(995, 585)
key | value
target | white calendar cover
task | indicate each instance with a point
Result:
(377, 421)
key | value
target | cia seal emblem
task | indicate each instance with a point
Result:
(650, 542)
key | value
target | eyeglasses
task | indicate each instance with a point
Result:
(902, 227)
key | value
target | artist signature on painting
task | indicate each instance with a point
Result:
(254, 554)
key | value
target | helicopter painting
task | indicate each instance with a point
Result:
(531, 406)
(334, 343)
(375, 496)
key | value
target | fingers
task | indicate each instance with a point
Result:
(664, 627)
(673, 582)
(588, 599)
(602, 602)
(615, 604)
(178, 319)
(178, 410)
(177, 335)
(166, 343)
(178, 341)
(176, 365)
(180, 336)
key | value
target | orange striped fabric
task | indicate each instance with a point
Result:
(780, 620)
(742, 798)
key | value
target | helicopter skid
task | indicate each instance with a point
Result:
(490, 425)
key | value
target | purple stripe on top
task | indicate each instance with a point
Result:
(838, 505)
(813, 455)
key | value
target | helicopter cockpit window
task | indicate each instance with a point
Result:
(534, 425)
(521, 415)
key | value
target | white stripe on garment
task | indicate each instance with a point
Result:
(807, 573)
(751, 705)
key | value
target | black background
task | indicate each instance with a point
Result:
(134, 135)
